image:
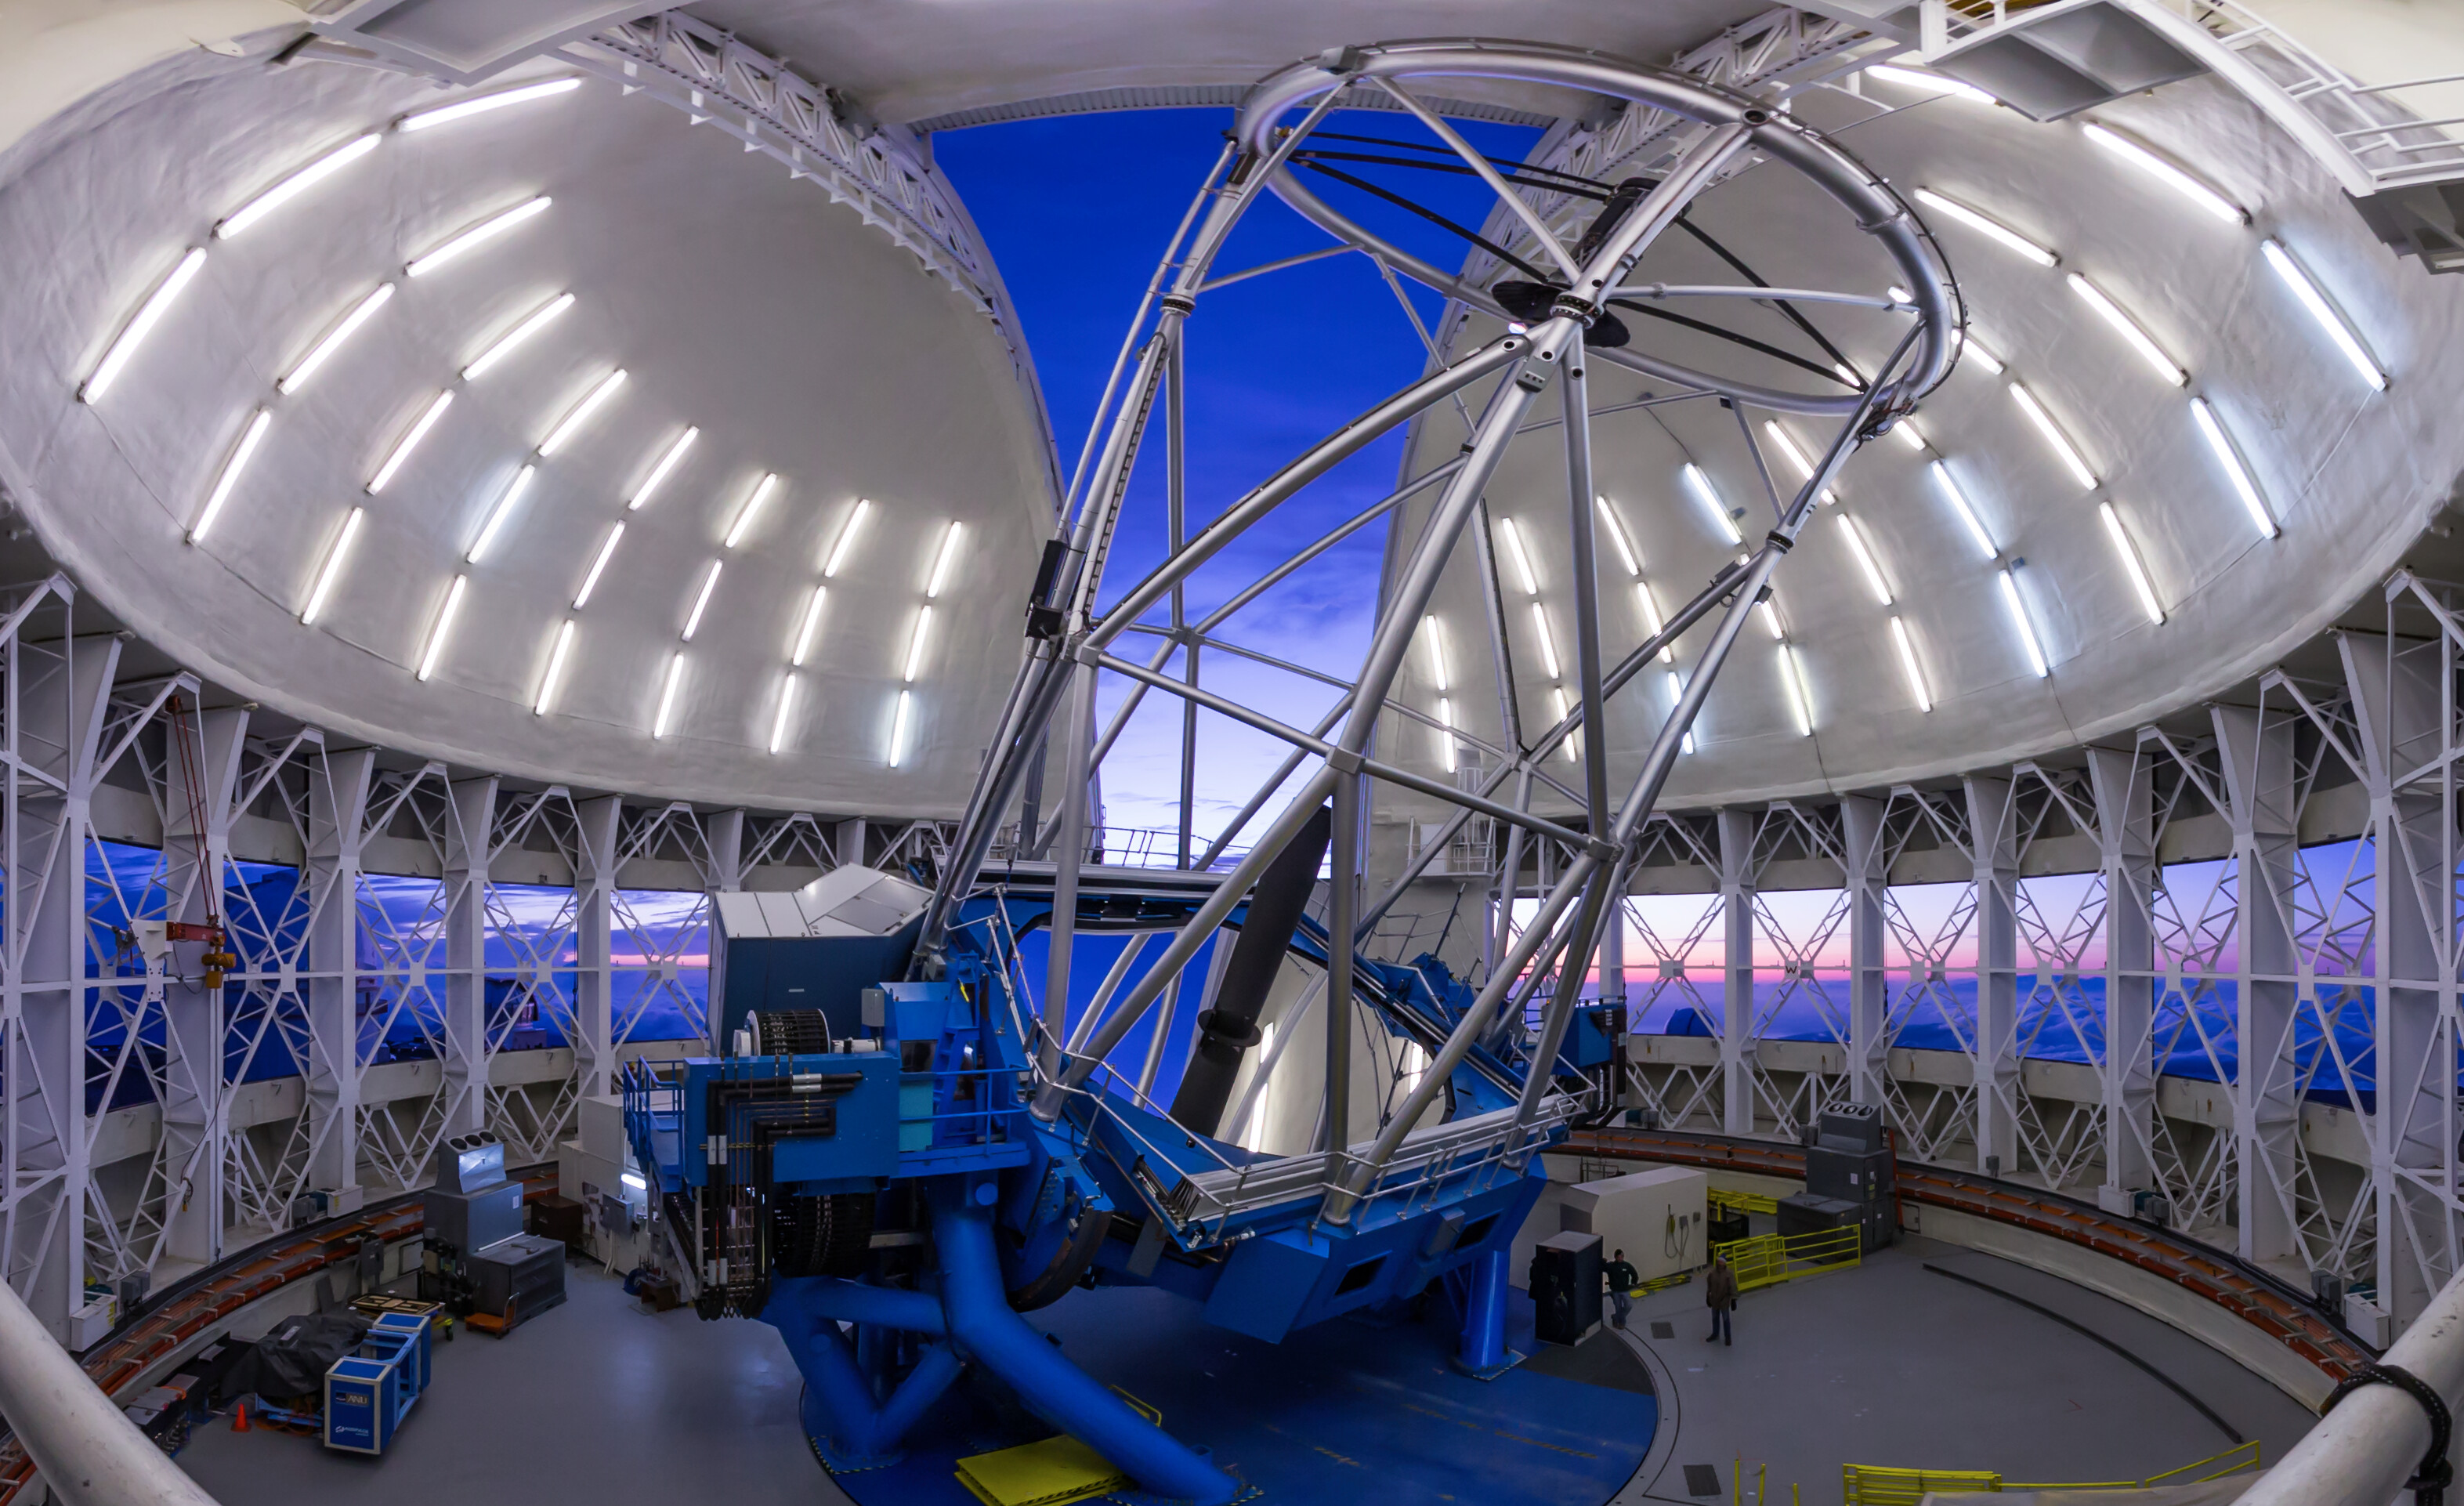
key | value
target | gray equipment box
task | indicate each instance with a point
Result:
(472, 1206)
(518, 1278)
(469, 1221)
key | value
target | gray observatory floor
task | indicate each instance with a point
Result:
(1891, 1364)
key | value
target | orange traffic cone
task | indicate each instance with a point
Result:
(239, 1419)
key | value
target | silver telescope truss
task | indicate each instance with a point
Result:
(1584, 252)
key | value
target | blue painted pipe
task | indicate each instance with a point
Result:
(862, 1431)
(854, 1302)
(1484, 1332)
(981, 1319)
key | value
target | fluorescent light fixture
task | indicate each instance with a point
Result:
(440, 635)
(701, 601)
(504, 509)
(1437, 652)
(1796, 455)
(1990, 228)
(142, 324)
(332, 570)
(1977, 350)
(811, 624)
(898, 730)
(409, 441)
(298, 183)
(591, 402)
(1548, 645)
(1910, 77)
(1909, 435)
(1652, 621)
(512, 338)
(1675, 698)
(232, 469)
(1945, 484)
(2072, 460)
(2228, 455)
(2330, 318)
(317, 354)
(634, 1180)
(2132, 564)
(556, 657)
(2168, 174)
(668, 694)
(1573, 745)
(2129, 330)
(916, 643)
(847, 537)
(753, 509)
(1770, 619)
(1701, 486)
(1522, 560)
(1864, 557)
(786, 709)
(1792, 681)
(667, 460)
(1618, 537)
(481, 103)
(1446, 733)
(2027, 630)
(474, 239)
(598, 565)
(941, 562)
(1908, 664)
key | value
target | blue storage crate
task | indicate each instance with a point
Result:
(362, 1403)
(418, 1353)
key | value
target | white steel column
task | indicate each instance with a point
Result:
(1994, 848)
(58, 697)
(2260, 786)
(337, 814)
(2121, 782)
(1737, 994)
(724, 833)
(1865, 875)
(594, 974)
(196, 842)
(469, 838)
(2402, 710)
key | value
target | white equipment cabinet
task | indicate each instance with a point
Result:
(1655, 1216)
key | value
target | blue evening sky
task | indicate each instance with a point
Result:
(1077, 210)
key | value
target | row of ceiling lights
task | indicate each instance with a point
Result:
(158, 302)
(2211, 428)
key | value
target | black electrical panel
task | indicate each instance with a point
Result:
(1848, 1178)
(1566, 1288)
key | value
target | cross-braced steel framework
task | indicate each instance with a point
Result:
(2255, 1022)
(418, 953)
(1555, 326)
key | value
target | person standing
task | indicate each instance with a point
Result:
(1621, 1278)
(1719, 1290)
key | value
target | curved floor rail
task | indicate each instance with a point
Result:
(184, 1314)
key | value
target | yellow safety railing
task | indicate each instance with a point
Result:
(1875, 1485)
(1761, 1260)
(1741, 1202)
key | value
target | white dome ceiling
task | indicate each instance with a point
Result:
(796, 341)
(2348, 474)
(802, 343)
